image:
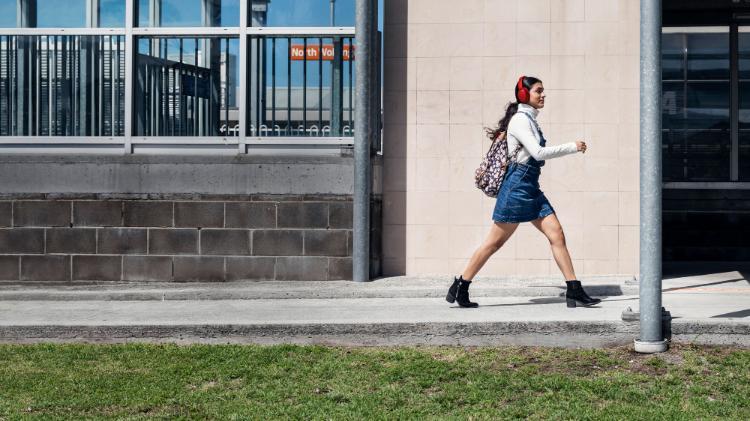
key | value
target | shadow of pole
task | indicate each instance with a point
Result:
(396, 122)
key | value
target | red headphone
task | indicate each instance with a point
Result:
(523, 94)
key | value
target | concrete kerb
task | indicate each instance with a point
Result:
(569, 334)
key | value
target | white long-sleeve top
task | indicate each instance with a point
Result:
(521, 130)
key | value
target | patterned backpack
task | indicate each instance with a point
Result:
(491, 171)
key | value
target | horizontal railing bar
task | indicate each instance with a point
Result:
(198, 140)
(54, 140)
(213, 140)
(208, 140)
(61, 31)
(301, 31)
(63, 150)
(695, 29)
(306, 142)
(186, 140)
(254, 140)
(727, 185)
(192, 31)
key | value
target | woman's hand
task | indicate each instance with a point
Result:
(581, 146)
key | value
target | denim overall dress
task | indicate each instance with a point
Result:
(520, 199)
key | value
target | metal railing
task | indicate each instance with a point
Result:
(301, 86)
(151, 87)
(62, 85)
(183, 87)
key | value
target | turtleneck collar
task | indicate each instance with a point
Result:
(528, 109)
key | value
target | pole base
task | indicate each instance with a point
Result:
(650, 347)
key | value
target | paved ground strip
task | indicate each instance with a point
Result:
(708, 309)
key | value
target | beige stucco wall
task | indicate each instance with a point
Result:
(450, 68)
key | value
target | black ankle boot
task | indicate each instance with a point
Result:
(453, 290)
(459, 292)
(575, 295)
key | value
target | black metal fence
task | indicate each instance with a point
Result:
(301, 86)
(62, 85)
(186, 86)
(296, 85)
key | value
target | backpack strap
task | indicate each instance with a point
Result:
(513, 157)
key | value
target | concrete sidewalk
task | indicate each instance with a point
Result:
(713, 309)
(391, 287)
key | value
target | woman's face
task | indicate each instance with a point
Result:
(536, 99)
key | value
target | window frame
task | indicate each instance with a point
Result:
(732, 29)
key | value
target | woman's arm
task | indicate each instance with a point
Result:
(520, 127)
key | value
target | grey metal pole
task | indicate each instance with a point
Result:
(333, 12)
(337, 87)
(651, 335)
(26, 18)
(259, 18)
(26, 13)
(366, 18)
(92, 13)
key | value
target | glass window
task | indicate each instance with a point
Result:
(111, 13)
(744, 157)
(673, 155)
(673, 56)
(185, 13)
(695, 155)
(8, 13)
(72, 13)
(673, 105)
(708, 56)
(61, 13)
(62, 85)
(707, 105)
(743, 49)
(707, 155)
(696, 141)
(186, 86)
(302, 13)
(744, 103)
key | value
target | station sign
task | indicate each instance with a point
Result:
(314, 52)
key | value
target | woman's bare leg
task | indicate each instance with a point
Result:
(498, 235)
(551, 228)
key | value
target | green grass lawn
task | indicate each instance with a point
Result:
(240, 382)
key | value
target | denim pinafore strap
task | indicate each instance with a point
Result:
(542, 141)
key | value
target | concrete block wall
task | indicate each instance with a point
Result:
(130, 218)
(449, 71)
(85, 238)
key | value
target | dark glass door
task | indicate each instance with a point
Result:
(706, 143)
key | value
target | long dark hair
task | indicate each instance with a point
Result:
(510, 109)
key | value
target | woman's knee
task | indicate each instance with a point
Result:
(494, 245)
(557, 238)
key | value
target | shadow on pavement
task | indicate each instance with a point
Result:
(673, 270)
(728, 281)
(741, 313)
(535, 301)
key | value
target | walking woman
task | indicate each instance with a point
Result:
(520, 199)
